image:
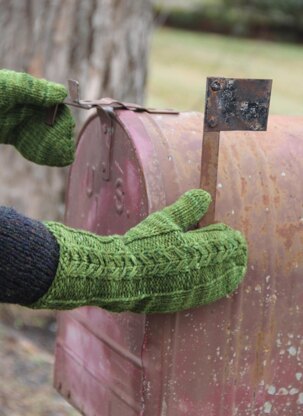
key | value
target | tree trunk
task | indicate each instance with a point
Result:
(102, 43)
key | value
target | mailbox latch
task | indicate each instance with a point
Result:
(103, 103)
(106, 116)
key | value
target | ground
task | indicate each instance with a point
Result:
(26, 374)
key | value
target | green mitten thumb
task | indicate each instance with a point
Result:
(180, 216)
(188, 209)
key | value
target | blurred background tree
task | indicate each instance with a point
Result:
(105, 45)
(102, 43)
(264, 19)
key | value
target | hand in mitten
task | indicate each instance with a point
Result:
(156, 266)
(24, 101)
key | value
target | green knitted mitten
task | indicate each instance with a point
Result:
(155, 267)
(23, 112)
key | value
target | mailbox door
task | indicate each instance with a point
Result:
(98, 354)
(239, 356)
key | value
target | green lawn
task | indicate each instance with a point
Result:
(180, 62)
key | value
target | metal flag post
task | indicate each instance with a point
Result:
(231, 104)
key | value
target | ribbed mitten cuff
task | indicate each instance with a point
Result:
(29, 256)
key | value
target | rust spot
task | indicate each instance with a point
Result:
(246, 224)
(273, 178)
(265, 199)
(287, 232)
(243, 186)
(258, 373)
(277, 200)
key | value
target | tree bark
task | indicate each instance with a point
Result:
(102, 43)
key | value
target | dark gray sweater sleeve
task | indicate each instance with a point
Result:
(29, 256)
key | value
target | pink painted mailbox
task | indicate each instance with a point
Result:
(240, 356)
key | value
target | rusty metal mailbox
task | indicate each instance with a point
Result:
(240, 356)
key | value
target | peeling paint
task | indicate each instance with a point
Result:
(267, 407)
(292, 351)
(282, 392)
(271, 390)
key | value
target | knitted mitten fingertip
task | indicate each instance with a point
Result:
(48, 145)
(186, 211)
(42, 92)
(23, 88)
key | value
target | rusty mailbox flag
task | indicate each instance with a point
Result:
(240, 356)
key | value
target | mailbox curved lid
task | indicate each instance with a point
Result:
(242, 355)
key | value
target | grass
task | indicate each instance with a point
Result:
(181, 4)
(180, 62)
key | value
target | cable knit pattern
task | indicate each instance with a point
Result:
(155, 267)
(23, 104)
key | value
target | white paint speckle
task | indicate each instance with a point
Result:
(258, 288)
(300, 399)
(283, 174)
(233, 213)
(282, 392)
(271, 390)
(267, 407)
(267, 278)
(219, 186)
(298, 376)
(272, 298)
(293, 391)
(292, 351)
